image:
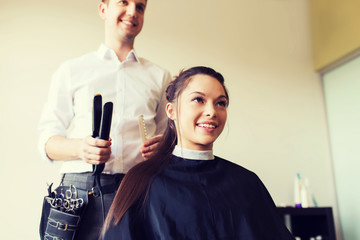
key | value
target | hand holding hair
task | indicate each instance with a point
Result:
(149, 147)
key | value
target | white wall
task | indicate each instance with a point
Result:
(342, 87)
(277, 124)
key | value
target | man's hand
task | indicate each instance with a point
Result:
(91, 150)
(95, 151)
(149, 147)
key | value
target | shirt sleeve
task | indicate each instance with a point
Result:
(58, 109)
(161, 118)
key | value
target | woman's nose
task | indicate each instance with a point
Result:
(210, 110)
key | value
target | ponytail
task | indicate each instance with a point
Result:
(137, 180)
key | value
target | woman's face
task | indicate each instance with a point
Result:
(200, 114)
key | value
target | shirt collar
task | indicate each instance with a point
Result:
(106, 53)
(193, 154)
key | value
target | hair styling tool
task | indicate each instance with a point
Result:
(97, 111)
(142, 128)
(102, 118)
(106, 121)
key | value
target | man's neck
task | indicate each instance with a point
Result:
(121, 49)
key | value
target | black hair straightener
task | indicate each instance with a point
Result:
(101, 117)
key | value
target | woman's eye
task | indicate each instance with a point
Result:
(198, 99)
(222, 103)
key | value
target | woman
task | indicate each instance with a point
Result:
(183, 191)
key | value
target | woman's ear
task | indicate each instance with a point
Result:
(170, 111)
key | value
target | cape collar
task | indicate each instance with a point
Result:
(193, 154)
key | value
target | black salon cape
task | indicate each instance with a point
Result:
(207, 200)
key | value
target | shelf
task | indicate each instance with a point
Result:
(309, 222)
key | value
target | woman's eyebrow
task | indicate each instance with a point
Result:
(197, 92)
(222, 96)
(203, 94)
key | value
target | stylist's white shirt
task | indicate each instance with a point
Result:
(135, 86)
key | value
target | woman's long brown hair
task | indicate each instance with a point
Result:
(137, 181)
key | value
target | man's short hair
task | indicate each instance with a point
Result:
(106, 1)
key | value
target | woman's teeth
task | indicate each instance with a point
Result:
(206, 125)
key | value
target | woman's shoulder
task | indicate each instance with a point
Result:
(218, 171)
(234, 168)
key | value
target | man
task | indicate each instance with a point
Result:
(134, 85)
